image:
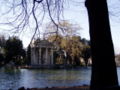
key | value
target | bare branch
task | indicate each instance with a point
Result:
(29, 14)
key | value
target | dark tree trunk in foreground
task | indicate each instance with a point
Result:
(104, 72)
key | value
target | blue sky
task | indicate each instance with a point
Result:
(76, 13)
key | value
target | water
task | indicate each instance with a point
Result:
(30, 78)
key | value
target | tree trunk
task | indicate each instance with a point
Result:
(104, 72)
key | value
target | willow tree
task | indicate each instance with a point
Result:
(104, 73)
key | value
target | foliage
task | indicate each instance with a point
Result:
(28, 60)
(69, 41)
(73, 46)
(1, 59)
(86, 53)
(14, 50)
(2, 41)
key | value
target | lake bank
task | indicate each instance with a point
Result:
(84, 87)
(51, 66)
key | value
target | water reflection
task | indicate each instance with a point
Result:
(30, 78)
(8, 78)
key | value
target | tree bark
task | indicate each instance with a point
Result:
(104, 73)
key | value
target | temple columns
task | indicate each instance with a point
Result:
(46, 61)
(33, 59)
(51, 58)
(39, 55)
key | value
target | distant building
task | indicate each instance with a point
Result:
(42, 53)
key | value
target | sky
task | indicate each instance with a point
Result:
(77, 13)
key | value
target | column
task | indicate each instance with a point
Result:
(51, 56)
(32, 56)
(46, 61)
(35, 56)
(40, 56)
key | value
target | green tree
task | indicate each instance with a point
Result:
(2, 58)
(14, 50)
(28, 61)
(2, 41)
(86, 53)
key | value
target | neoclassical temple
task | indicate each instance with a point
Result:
(42, 53)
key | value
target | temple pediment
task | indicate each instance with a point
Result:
(42, 43)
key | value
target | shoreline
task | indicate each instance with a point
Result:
(84, 87)
(48, 67)
(77, 67)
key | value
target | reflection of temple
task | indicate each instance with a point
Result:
(42, 53)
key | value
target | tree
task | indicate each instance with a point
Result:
(28, 60)
(14, 50)
(73, 46)
(67, 39)
(104, 74)
(2, 41)
(2, 58)
(86, 53)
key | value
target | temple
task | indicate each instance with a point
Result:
(42, 53)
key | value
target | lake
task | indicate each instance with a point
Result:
(30, 78)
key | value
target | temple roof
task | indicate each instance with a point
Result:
(42, 43)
